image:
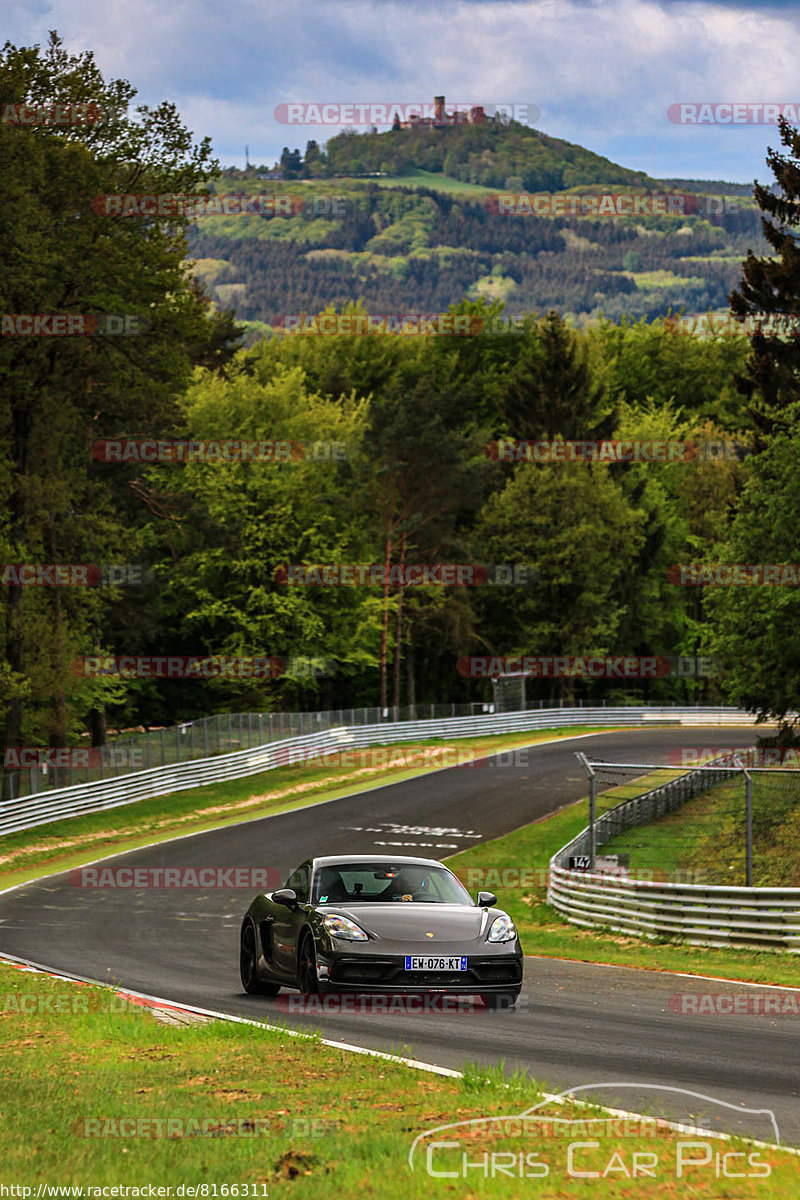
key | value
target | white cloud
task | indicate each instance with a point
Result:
(602, 74)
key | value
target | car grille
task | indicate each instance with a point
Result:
(363, 972)
(490, 971)
(499, 972)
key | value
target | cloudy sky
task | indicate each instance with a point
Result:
(603, 74)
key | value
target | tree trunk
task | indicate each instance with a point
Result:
(58, 700)
(98, 726)
(411, 682)
(388, 510)
(398, 629)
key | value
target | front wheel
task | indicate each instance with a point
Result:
(307, 977)
(247, 965)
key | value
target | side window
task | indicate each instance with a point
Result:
(299, 882)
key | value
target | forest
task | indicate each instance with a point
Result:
(417, 249)
(390, 460)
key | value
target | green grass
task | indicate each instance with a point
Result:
(515, 868)
(96, 1092)
(706, 836)
(64, 844)
(659, 279)
(437, 182)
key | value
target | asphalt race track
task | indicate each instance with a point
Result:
(575, 1024)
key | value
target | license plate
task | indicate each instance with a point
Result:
(435, 964)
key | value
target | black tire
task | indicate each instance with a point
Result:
(307, 977)
(504, 1000)
(247, 964)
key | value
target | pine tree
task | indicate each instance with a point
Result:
(771, 382)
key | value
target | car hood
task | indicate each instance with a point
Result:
(411, 922)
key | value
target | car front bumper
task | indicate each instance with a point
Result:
(495, 972)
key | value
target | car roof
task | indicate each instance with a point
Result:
(331, 860)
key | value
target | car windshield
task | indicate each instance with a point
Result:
(363, 883)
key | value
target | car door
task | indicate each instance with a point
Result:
(287, 922)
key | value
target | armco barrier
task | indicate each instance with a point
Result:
(43, 807)
(704, 915)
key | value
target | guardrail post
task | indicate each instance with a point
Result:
(748, 806)
(592, 809)
(592, 815)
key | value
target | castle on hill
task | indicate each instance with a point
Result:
(442, 119)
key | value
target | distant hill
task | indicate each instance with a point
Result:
(426, 234)
(510, 156)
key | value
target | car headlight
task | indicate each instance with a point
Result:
(501, 930)
(341, 927)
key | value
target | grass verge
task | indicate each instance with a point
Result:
(515, 868)
(97, 1093)
(706, 837)
(61, 845)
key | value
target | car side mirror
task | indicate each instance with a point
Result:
(486, 899)
(287, 896)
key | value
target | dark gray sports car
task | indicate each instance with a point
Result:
(363, 923)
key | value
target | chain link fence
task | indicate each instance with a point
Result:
(221, 733)
(729, 821)
(224, 733)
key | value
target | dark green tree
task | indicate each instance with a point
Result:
(552, 390)
(771, 285)
(62, 255)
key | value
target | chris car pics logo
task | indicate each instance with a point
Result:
(545, 1146)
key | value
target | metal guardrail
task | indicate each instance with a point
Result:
(220, 733)
(704, 915)
(81, 799)
(225, 733)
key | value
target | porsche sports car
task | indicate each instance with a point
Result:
(365, 923)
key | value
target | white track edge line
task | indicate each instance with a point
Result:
(413, 1063)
